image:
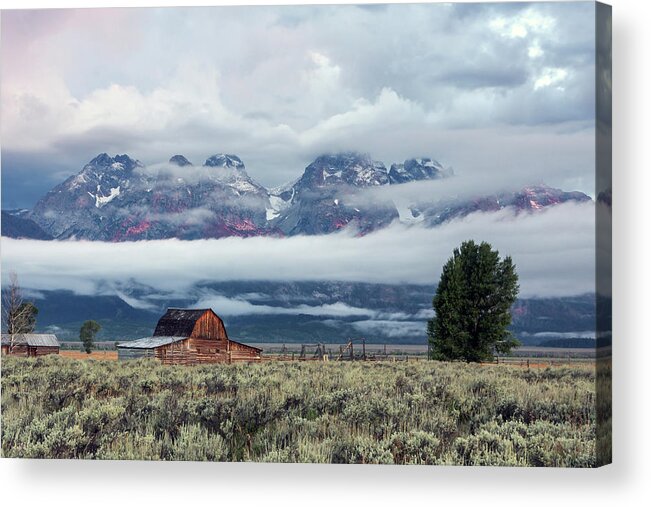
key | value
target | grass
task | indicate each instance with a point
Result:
(105, 355)
(382, 412)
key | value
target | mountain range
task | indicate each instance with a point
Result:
(120, 199)
(288, 312)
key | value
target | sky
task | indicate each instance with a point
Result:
(495, 91)
(503, 94)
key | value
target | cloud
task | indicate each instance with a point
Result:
(550, 77)
(240, 306)
(135, 302)
(522, 24)
(555, 334)
(278, 85)
(553, 250)
(390, 328)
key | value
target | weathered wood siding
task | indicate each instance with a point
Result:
(29, 351)
(177, 353)
(241, 352)
(42, 351)
(209, 327)
(203, 351)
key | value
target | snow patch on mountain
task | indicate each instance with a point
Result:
(408, 215)
(101, 200)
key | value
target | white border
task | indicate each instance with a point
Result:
(627, 482)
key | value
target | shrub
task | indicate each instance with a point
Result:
(406, 413)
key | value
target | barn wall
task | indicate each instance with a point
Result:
(27, 351)
(210, 351)
(204, 351)
(43, 351)
(209, 327)
(241, 352)
(176, 353)
(17, 350)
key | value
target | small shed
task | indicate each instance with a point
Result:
(189, 336)
(30, 345)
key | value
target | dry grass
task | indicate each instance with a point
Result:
(375, 412)
(102, 355)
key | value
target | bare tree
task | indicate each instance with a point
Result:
(18, 315)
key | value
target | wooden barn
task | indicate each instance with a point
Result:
(184, 336)
(30, 345)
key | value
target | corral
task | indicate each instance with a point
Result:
(188, 336)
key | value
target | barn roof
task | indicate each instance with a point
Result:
(151, 342)
(31, 340)
(179, 321)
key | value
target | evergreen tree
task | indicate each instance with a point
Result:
(472, 305)
(87, 333)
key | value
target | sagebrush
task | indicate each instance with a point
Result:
(383, 412)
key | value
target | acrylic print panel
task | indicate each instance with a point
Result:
(331, 234)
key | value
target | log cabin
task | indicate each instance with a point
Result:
(30, 345)
(187, 336)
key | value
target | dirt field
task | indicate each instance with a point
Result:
(102, 355)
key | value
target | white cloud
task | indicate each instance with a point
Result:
(277, 85)
(134, 302)
(553, 250)
(240, 306)
(522, 24)
(390, 328)
(387, 109)
(535, 51)
(550, 77)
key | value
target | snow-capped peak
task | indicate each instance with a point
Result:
(103, 163)
(224, 160)
(349, 168)
(415, 169)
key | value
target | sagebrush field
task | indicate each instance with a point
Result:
(381, 412)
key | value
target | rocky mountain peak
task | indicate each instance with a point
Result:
(349, 168)
(416, 169)
(224, 160)
(119, 162)
(180, 161)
